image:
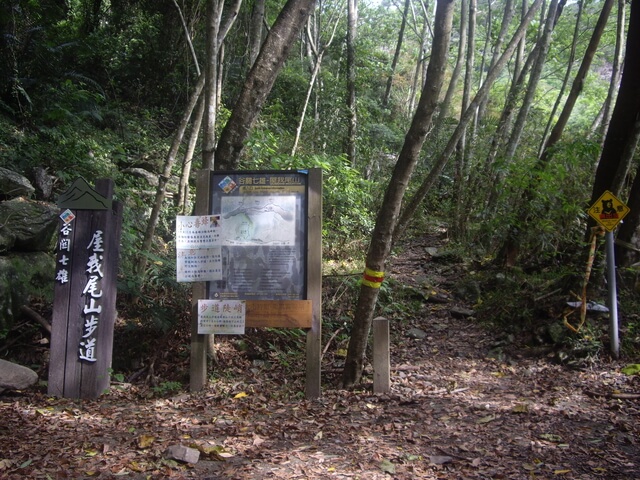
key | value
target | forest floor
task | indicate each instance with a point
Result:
(456, 410)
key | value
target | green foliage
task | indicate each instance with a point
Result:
(167, 388)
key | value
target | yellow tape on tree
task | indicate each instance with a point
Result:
(372, 278)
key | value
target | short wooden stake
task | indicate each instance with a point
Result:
(381, 357)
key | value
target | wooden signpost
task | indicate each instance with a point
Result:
(257, 239)
(84, 308)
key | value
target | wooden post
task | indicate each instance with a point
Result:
(314, 283)
(381, 357)
(198, 359)
(84, 310)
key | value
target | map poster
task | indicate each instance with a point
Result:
(264, 239)
(221, 317)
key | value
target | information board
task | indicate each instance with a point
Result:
(263, 240)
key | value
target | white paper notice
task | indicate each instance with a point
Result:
(221, 317)
(199, 265)
(198, 231)
(198, 254)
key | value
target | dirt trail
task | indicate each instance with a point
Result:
(456, 410)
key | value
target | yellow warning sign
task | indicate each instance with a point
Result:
(608, 211)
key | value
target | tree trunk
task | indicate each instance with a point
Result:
(381, 241)
(352, 30)
(565, 81)
(534, 78)
(616, 71)
(502, 34)
(396, 55)
(463, 154)
(462, 53)
(259, 82)
(196, 126)
(214, 16)
(171, 156)
(164, 177)
(255, 30)
(624, 120)
(317, 51)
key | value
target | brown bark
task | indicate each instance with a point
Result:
(382, 237)
(626, 112)
(259, 82)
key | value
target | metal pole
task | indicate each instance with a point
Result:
(613, 297)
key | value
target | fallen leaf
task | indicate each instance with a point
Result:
(241, 395)
(520, 408)
(145, 441)
(561, 472)
(318, 436)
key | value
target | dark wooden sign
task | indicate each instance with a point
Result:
(84, 309)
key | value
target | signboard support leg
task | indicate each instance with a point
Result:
(198, 360)
(613, 296)
(314, 284)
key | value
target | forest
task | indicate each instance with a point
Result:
(462, 145)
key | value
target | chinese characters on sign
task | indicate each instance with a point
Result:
(84, 308)
(93, 294)
(198, 248)
(608, 211)
(222, 317)
(64, 246)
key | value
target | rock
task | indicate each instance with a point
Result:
(460, 312)
(182, 454)
(44, 183)
(13, 184)
(416, 333)
(151, 178)
(27, 225)
(16, 377)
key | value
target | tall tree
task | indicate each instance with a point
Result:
(317, 50)
(259, 81)
(381, 241)
(462, 152)
(216, 32)
(396, 55)
(602, 123)
(352, 114)
(623, 129)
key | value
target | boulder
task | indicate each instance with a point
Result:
(13, 184)
(27, 225)
(16, 377)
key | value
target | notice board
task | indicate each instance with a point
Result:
(263, 241)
